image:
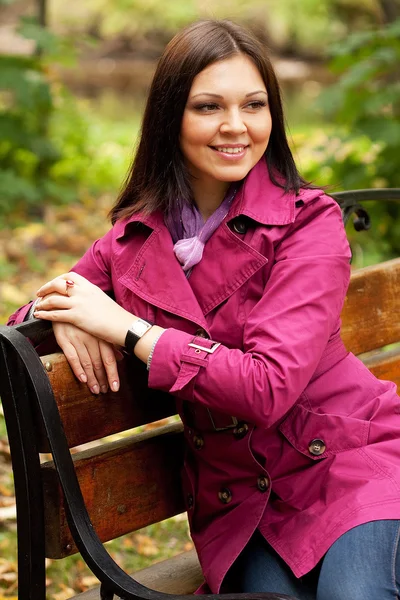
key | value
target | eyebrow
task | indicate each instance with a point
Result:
(219, 96)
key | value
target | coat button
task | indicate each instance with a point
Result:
(240, 226)
(240, 430)
(189, 501)
(225, 495)
(317, 447)
(202, 333)
(263, 483)
(198, 442)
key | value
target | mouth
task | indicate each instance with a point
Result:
(232, 150)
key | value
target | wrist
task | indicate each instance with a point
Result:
(138, 328)
(145, 345)
(118, 330)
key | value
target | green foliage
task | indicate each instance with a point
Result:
(364, 104)
(305, 26)
(29, 101)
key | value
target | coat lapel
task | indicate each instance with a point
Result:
(227, 263)
(157, 277)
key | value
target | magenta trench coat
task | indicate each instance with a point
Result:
(286, 431)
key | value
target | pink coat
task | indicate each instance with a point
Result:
(312, 448)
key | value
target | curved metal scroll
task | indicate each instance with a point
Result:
(349, 202)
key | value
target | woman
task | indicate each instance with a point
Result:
(226, 274)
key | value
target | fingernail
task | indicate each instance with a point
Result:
(95, 389)
(83, 377)
(104, 389)
(115, 386)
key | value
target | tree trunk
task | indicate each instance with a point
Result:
(390, 10)
(42, 12)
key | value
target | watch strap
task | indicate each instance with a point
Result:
(133, 337)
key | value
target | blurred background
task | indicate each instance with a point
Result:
(73, 81)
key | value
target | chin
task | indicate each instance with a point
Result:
(233, 174)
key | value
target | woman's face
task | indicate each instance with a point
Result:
(226, 123)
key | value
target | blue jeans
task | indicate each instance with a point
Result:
(363, 564)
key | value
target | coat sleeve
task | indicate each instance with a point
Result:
(285, 334)
(95, 263)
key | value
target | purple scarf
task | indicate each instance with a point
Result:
(190, 233)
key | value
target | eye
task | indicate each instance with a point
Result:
(256, 104)
(206, 107)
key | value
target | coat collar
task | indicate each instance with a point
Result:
(257, 198)
(156, 275)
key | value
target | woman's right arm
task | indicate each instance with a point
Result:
(92, 360)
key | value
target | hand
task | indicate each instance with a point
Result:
(72, 299)
(92, 360)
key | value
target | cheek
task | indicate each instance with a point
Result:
(261, 132)
(195, 132)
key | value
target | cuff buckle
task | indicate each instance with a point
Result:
(208, 350)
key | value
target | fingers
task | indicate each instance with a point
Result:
(92, 360)
(62, 285)
(74, 360)
(92, 363)
(53, 301)
(109, 360)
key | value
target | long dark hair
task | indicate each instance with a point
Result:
(158, 178)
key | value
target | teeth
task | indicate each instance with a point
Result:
(231, 150)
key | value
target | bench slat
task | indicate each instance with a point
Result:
(370, 318)
(385, 365)
(87, 417)
(178, 575)
(123, 484)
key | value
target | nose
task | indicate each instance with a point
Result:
(233, 123)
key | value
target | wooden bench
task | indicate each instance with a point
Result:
(135, 481)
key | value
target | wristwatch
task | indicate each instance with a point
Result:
(135, 332)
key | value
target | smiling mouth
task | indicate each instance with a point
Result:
(229, 149)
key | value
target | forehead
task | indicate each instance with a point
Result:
(237, 73)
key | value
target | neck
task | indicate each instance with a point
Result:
(209, 196)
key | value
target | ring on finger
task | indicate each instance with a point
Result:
(68, 284)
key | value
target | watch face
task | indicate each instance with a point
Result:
(140, 327)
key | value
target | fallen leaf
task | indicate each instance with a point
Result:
(88, 581)
(188, 546)
(64, 594)
(145, 545)
(8, 513)
(128, 542)
(8, 577)
(5, 491)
